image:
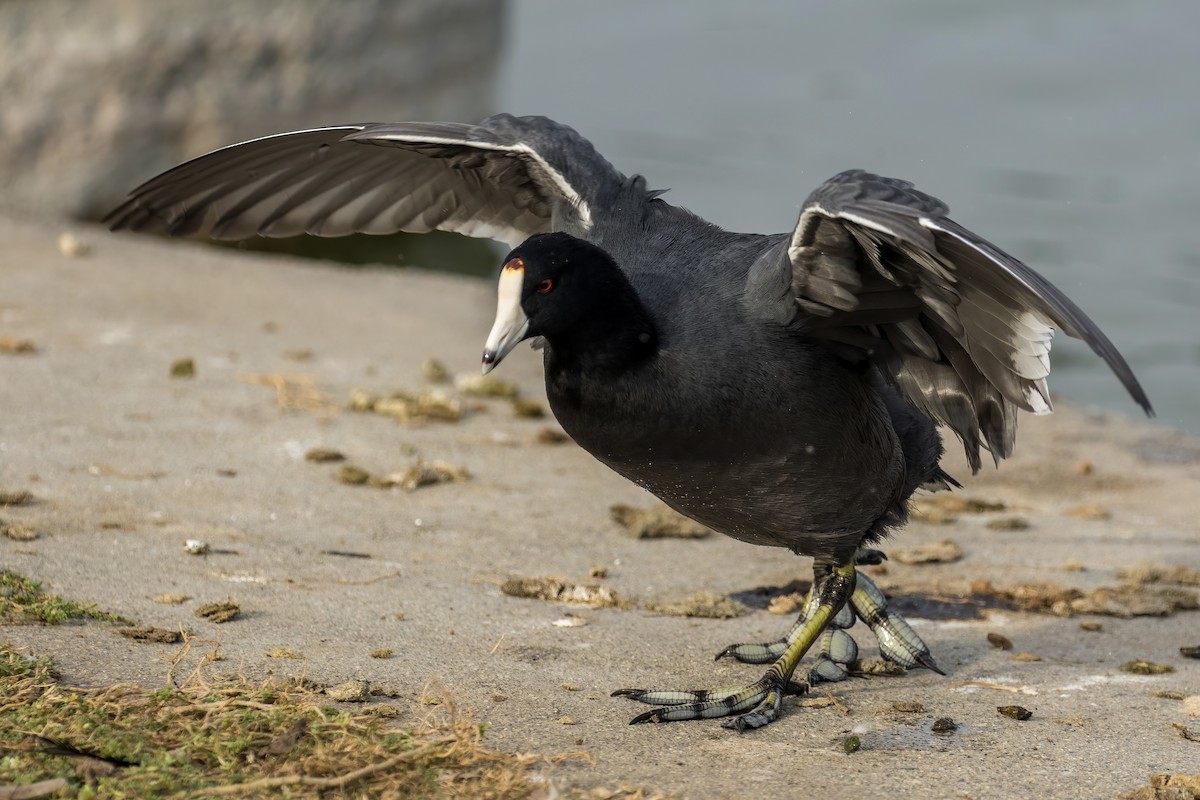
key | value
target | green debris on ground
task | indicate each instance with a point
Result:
(24, 600)
(232, 737)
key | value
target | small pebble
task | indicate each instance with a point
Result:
(1091, 626)
(999, 642)
(171, 599)
(72, 246)
(352, 475)
(944, 725)
(324, 455)
(1022, 656)
(382, 652)
(183, 368)
(566, 721)
(196, 547)
(1190, 652)
(1015, 712)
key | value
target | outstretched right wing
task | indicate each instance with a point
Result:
(507, 179)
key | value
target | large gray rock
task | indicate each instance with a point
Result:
(97, 96)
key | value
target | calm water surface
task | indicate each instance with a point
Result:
(1067, 133)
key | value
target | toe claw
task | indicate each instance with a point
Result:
(926, 661)
(728, 651)
(648, 716)
(627, 693)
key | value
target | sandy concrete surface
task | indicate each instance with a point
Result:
(127, 463)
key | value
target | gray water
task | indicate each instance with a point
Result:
(1068, 133)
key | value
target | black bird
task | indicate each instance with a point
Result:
(782, 389)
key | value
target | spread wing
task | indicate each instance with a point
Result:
(506, 178)
(878, 270)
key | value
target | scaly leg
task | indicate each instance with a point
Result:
(758, 703)
(898, 642)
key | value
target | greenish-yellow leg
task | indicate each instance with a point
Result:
(758, 703)
(898, 642)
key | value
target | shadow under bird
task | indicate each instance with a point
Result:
(782, 389)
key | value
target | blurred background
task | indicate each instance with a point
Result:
(1066, 133)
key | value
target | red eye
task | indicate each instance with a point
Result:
(545, 286)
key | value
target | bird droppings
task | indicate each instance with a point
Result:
(1126, 600)
(706, 605)
(943, 552)
(552, 436)
(477, 385)
(183, 368)
(220, 611)
(1008, 524)
(786, 603)
(528, 409)
(324, 455)
(15, 497)
(851, 744)
(1190, 652)
(1167, 787)
(382, 652)
(170, 599)
(556, 589)
(352, 475)
(434, 371)
(72, 246)
(1025, 656)
(908, 707)
(1140, 666)
(284, 652)
(1019, 713)
(421, 475)
(943, 509)
(195, 547)
(349, 692)
(1160, 573)
(150, 634)
(17, 347)
(294, 390)
(944, 726)
(407, 407)
(659, 522)
(1093, 512)
(875, 666)
(20, 532)
(999, 641)
(570, 621)
(1091, 626)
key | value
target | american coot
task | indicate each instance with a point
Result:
(782, 389)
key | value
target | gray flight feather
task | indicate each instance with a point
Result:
(878, 270)
(506, 178)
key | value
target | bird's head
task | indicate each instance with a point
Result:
(560, 287)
